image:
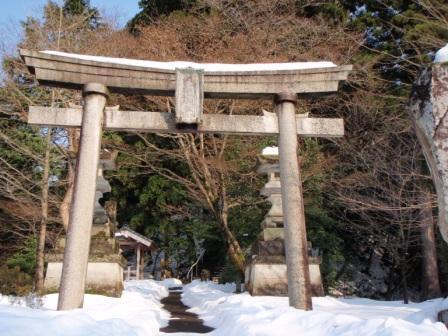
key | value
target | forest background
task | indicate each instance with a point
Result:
(369, 199)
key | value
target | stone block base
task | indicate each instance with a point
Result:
(271, 279)
(269, 248)
(272, 233)
(104, 278)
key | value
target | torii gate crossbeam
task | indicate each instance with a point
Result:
(189, 83)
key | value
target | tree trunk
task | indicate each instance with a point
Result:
(390, 283)
(430, 285)
(40, 252)
(64, 210)
(404, 281)
(234, 249)
(156, 259)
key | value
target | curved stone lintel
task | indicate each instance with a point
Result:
(73, 71)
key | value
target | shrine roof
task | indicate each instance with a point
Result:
(127, 234)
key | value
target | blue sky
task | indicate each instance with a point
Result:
(13, 11)
(16, 10)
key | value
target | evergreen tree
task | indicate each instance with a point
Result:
(154, 9)
(406, 33)
(76, 7)
(82, 7)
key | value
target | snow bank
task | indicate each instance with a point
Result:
(442, 55)
(242, 314)
(138, 312)
(170, 283)
(271, 151)
(207, 67)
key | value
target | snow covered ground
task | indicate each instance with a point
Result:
(138, 312)
(243, 314)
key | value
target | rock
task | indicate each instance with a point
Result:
(428, 108)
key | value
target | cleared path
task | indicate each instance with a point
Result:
(182, 321)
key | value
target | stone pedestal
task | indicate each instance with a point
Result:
(105, 266)
(267, 276)
(105, 278)
(266, 273)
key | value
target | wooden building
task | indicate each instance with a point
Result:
(130, 240)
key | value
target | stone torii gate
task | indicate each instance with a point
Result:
(190, 83)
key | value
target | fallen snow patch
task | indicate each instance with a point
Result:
(207, 67)
(441, 55)
(271, 151)
(170, 283)
(138, 312)
(244, 315)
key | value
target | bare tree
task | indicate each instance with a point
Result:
(212, 174)
(40, 253)
(33, 174)
(253, 31)
(430, 281)
(380, 184)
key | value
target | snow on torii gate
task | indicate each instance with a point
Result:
(189, 83)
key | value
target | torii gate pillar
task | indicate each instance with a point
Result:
(76, 255)
(296, 251)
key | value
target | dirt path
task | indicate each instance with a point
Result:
(181, 320)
